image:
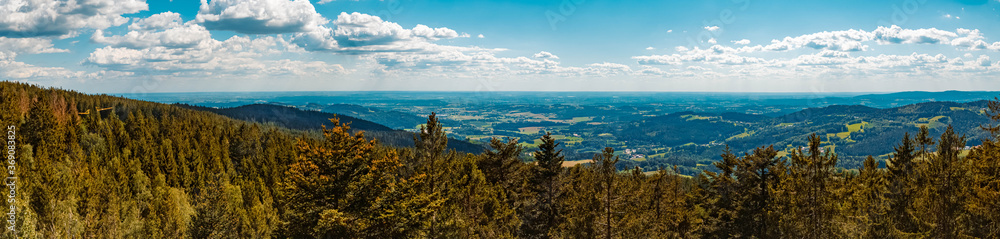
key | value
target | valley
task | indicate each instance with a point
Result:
(651, 130)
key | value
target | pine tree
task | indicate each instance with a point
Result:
(870, 191)
(984, 188)
(946, 175)
(343, 186)
(902, 186)
(722, 196)
(759, 174)
(541, 217)
(430, 149)
(580, 203)
(608, 190)
(811, 181)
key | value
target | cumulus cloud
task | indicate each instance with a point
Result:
(27, 45)
(830, 54)
(238, 55)
(712, 28)
(157, 21)
(983, 60)
(259, 16)
(898, 35)
(713, 55)
(20, 70)
(177, 36)
(162, 45)
(545, 55)
(848, 40)
(358, 33)
(19, 19)
(742, 42)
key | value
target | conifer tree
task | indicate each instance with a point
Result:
(608, 190)
(811, 181)
(722, 197)
(580, 204)
(430, 149)
(902, 179)
(542, 215)
(946, 176)
(984, 187)
(870, 189)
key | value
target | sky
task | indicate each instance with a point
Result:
(136, 46)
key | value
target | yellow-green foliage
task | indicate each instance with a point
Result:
(695, 117)
(932, 122)
(741, 135)
(582, 119)
(529, 130)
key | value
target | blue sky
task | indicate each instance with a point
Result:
(134, 46)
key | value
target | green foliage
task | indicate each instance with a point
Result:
(810, 187)
(100, 166)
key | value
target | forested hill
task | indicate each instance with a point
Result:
(294, 118)
(852, 131)
(97, 166)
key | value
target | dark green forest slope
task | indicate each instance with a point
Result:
(297, 119)
(853, 132)
(95, 166)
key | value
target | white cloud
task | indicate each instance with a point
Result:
(177, 36)
(712, 41)
(324, 1)
(159, 21)
(712, 28)
(161, 45)
(983, 60)
(650, 48)
(21, 70)
(358, 33)
(898, 35)
(28, 45)
(671, 30)
(481, 36)
(545, 55)
(259, 16)
(742, 42)
(20, 19)
(849, 40)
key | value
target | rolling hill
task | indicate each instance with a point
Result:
(851, 131)
(293, 118)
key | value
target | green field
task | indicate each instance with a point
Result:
(932, 122)
(695, 117)
(741, 135)
(530, 130)
(582, 119)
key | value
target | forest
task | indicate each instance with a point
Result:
(98, 166)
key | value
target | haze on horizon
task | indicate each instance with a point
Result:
(134, 46)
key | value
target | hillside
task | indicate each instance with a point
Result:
(293, 118)
(853, 132)
(389, 118)
(95, 166)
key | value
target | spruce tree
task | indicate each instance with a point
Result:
(946, 176)
(811, 181)
(984, 187)
(542, 215)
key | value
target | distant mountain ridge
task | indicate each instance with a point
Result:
(298, 119)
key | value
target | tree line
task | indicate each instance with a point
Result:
(149, 170)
